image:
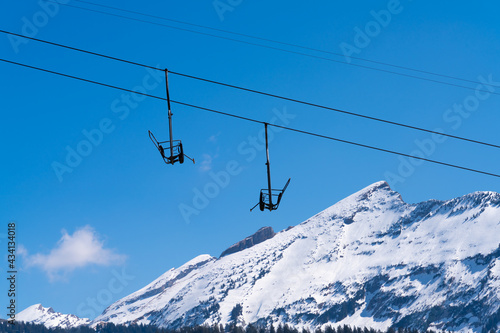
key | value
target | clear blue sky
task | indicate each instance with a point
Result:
(118, 210)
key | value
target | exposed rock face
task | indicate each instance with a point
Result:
(261, 235)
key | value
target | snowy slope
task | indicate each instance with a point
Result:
(37, 314)
(369, 260)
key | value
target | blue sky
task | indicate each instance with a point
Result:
(117, 214)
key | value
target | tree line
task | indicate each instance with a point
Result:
(21, 327)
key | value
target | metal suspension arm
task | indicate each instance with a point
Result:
(268, 169)
(169, 115)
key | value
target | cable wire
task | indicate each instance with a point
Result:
(80, 50)
(255, 120)
(282, 43)
(261, 92)
(338, 110)
(276, 48)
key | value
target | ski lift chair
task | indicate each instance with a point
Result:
(267, 195)
(171, 151)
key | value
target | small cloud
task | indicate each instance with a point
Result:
(206, 163)
(82, 248)
(214, 138)
(21, 250)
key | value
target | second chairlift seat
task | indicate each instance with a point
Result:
(266, 195)
(266, 202)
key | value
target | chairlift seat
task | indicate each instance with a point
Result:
(177, 152)
(265, 201)
(266, 195)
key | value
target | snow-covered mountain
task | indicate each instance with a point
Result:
(37, 314)
(370, 260)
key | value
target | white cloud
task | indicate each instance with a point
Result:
(82, 248)
(214, 138)
(21, 250)
(206, 163)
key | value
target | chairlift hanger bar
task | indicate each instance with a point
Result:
(268, 169)
(169, 115)
(254, 120)
(268, 94)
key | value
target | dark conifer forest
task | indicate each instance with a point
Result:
(20, 327)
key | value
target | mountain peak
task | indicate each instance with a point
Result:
(376, 192)
(375, 197)
(380, 187)
(37, 314)
(381, 184)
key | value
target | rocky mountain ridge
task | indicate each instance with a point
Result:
(261, 235)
